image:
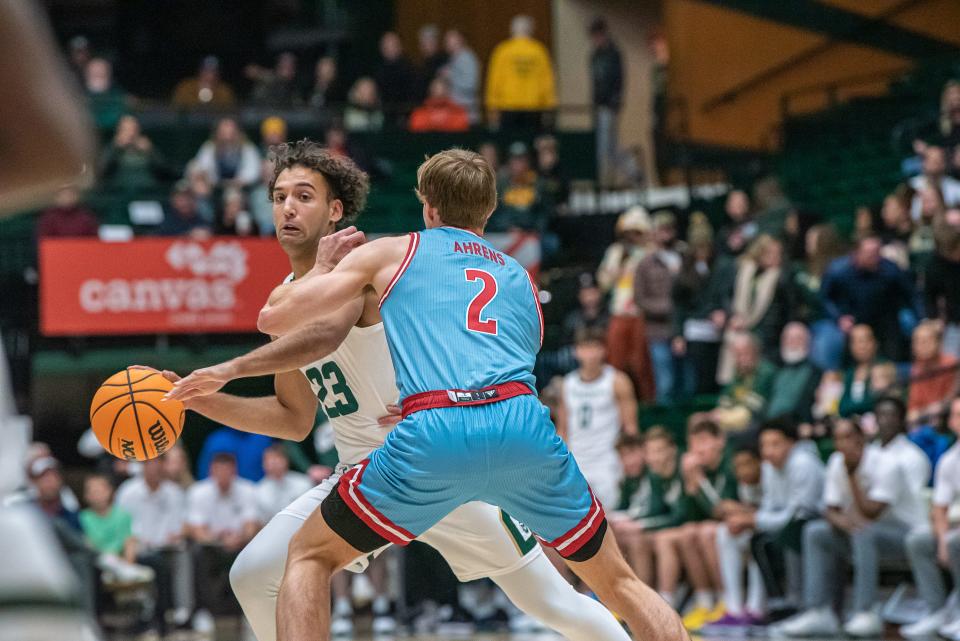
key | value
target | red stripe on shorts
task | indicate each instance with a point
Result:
(349, 488)
(579, 534)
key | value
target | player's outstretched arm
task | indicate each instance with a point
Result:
(289, 414)
(285, 354)
(293, 305)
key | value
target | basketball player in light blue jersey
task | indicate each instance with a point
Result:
(342, 361)
(463, 325)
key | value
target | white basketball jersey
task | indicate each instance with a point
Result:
(354, 385)
(593, 421)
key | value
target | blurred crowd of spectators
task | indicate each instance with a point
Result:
(834, 367)
(222, 189)
(443, 91)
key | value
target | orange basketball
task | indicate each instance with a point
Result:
(129, 418)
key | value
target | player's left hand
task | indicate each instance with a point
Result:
(331, 249)
(201, 382)
(394, 416)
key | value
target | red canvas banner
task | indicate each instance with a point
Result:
(156, 285)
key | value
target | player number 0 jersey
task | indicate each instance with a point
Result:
(593, 418)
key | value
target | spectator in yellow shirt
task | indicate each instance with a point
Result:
(520, 86)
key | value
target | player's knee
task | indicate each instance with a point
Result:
(246, 577)
(544, 606)
(258, 569)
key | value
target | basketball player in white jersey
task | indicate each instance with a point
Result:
(343, 361)
(597, 403)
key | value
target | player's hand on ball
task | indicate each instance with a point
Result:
(393, 416)
(201, 382)
(173, 377)
(334, 247)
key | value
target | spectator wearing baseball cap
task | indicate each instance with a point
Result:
(46, 483)
(206, 89)
(627, 348)
(49, 494)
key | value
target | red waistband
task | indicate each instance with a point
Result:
(460, 398)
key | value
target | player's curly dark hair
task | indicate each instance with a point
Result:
(348, 183)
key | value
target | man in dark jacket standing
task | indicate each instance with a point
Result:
(865, 288)
(606, 72)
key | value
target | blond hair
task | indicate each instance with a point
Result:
(461, 185)
(758, 246)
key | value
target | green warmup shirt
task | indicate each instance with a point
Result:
(107, 533)
(718, 485)
(628, 487)
(659, 503)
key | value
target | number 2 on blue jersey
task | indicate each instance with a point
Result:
(480, 301)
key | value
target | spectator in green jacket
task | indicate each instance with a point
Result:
(858, 393)
(131, 164)
(107, 101)
(708, 481)
(648, 529)
(797, 378)
(744, 400)
(630, 451)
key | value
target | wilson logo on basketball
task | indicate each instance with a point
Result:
(159, 437)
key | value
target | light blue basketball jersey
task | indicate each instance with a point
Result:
(460, 315)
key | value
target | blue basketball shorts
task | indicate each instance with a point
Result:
(506, 453)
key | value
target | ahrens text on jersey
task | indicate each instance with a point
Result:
(479, 250)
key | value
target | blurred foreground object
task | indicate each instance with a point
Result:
(49, 142)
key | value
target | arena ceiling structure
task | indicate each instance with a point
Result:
(733, 61)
